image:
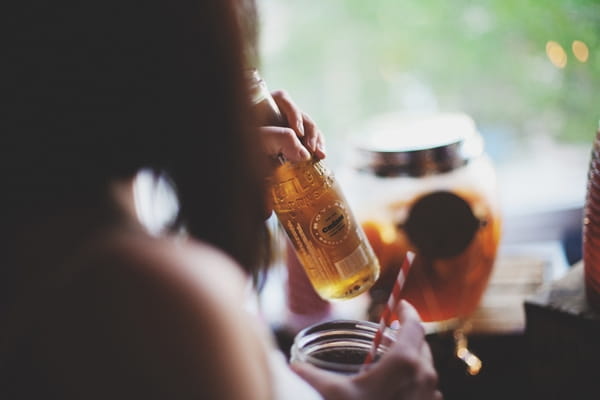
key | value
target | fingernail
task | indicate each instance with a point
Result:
(304, 154)
(300, 128)
(321, 149)
(313, 144)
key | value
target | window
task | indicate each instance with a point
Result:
(527, 71)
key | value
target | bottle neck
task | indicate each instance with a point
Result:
(267, 111)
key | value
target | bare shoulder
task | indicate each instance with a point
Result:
(185, 263)
(168, 319)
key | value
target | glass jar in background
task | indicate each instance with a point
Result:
(422, 182)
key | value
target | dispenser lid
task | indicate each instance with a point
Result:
(417, 144)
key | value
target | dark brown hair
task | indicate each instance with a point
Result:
(97, 90)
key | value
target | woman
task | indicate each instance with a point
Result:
(92, 305)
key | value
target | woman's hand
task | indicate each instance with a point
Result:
(405, 371)
(299, 140)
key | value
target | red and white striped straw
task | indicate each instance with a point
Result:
(392, 304)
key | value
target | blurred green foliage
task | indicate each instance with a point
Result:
(344, 61)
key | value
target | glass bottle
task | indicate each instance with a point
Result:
(591, 228)
(311, 208)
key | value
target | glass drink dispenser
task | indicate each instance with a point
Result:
(423, 182)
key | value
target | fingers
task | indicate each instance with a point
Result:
(314, 139)
(328, 384)
(427, 378)
(396, 377)
(408, 364)
(426, 353)
(279, 140)
(291, 112)
(407, 311)
(301, 123)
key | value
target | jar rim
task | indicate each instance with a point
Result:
(345, 335)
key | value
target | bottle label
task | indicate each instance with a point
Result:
(332, 224)
(354, 262)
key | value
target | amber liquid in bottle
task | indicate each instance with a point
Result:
(311, 208)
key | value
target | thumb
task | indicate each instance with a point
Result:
(407, 312)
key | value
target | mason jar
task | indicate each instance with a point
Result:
(423, 182)
(339, 345)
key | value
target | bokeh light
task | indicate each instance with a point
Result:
(556, 54)
(580, 50)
